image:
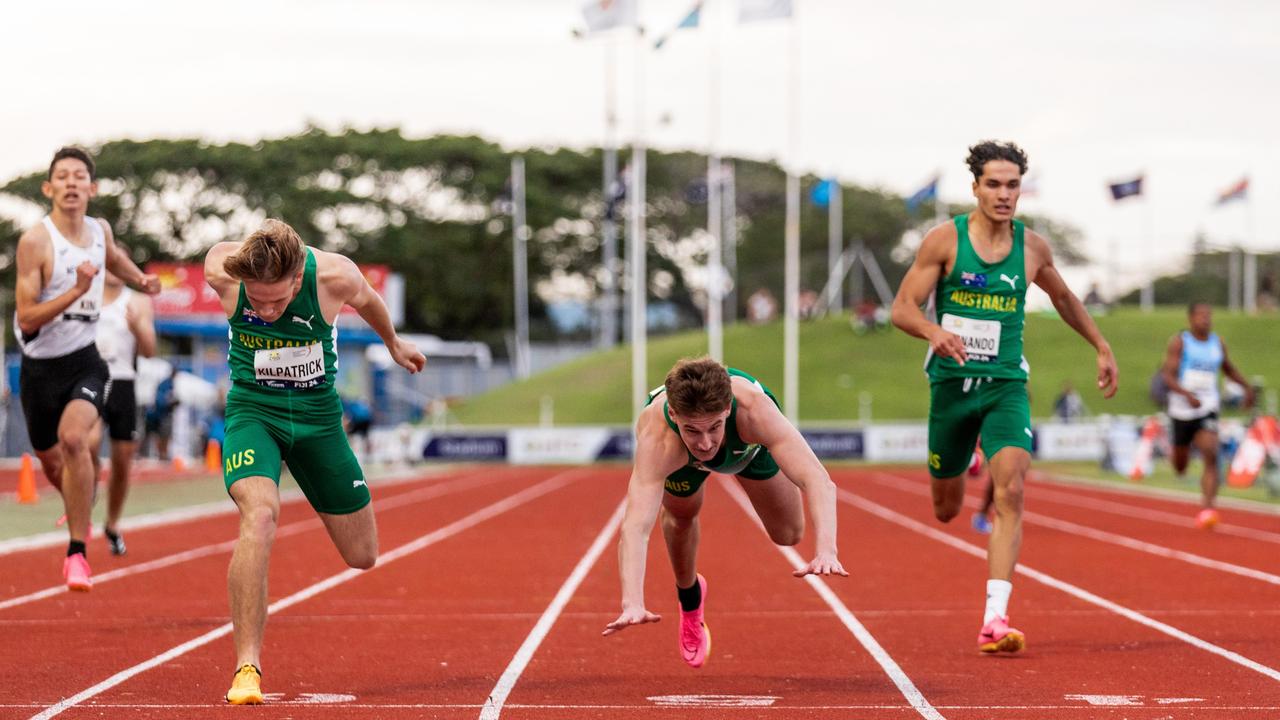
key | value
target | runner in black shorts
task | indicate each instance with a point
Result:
(64, 382)
(126, 329)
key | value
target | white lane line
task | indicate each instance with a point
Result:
(891, 668)
(554, 482)
(492, 709)
(1107, 537)
(1142, 513)
(1072, 590)
(444, 487)
(224, 506)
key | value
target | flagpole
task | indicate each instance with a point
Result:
(638, 244)
(791, 269)
(729, 236)
(715, 304)
(520, 255)
(835, 244)
(609, 228)
(1250, 260)
(1148, 294)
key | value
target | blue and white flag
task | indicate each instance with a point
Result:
(691, 20)
(924, 194)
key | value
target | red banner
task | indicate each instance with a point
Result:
(183, 290)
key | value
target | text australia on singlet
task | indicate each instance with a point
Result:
(981, 337)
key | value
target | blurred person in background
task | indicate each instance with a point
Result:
(126, 329)
(1192, 361)
(159, 416)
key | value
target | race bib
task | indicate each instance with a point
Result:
(981, 337)
(293, 368)
(1199, 381)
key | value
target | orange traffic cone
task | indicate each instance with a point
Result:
(27, 481)
(213, 456)
(179, 464)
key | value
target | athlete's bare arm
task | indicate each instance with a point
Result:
(1230, 370)
(1169, 369)
(140, 314)
(760, 421)
(341, 282)
(123, 267)
(35, 261)
(656, 458)
(1070, 309)
(227, 287)
(936, 257)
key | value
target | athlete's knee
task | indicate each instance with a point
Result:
(361, 558)
(1008, 497)
(788, 534)
(258, 523)
(945, 511)
(73, 442)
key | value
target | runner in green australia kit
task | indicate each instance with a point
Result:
(976, 269)
(282, 299)
(705, 419)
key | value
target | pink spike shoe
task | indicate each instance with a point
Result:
(695, 636)
(76, 570)
(997, 636)
(1207, 518)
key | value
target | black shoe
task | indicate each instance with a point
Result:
(115, 541)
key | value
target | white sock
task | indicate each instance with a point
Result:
(998, 592)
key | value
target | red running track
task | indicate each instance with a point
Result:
(495, 582)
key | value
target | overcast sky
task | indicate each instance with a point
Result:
(889, 93)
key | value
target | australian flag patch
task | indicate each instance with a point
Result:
(252, 318)
(969, 279)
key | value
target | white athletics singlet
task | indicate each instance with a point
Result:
(75, 328)
(116, 343)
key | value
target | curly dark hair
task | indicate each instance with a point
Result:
(988, 150)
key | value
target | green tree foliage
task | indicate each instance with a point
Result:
(437, 210)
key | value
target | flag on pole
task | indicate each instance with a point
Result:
(616, 194)
(1128, 188)
(1239, 191)
(604, 15)
(752, 10)
(924, 194)
(822, 192)
(691, 20)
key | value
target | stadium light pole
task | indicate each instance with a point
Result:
(835, 243)
(520, 265)
(609, 228)
(791, 266)
(715, 303)
(637, 245)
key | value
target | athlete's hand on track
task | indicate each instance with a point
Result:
(822, 564)
(407, 355)
(1108, 374)
(945, 344)
(628, 618)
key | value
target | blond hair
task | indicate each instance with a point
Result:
(273, 253)
(698, 387)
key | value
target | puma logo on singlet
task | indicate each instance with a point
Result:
(358, 483)
(1013, 281)
(92, 395)
(306, 322)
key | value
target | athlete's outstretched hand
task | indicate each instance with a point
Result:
(947, 344)
(639, 616)
(407, 355)
(1108, 373)
(822, 564)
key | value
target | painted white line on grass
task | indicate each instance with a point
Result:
(890, 666)
(224, 506)
(1072, 590)
(554, 482)
(1107, 537)
(445, 487)
(492, 709)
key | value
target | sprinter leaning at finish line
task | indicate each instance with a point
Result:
(282, 299)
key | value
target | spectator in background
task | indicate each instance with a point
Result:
(761, 307)
(1069, 407)
(159, 420)
(358, 421)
